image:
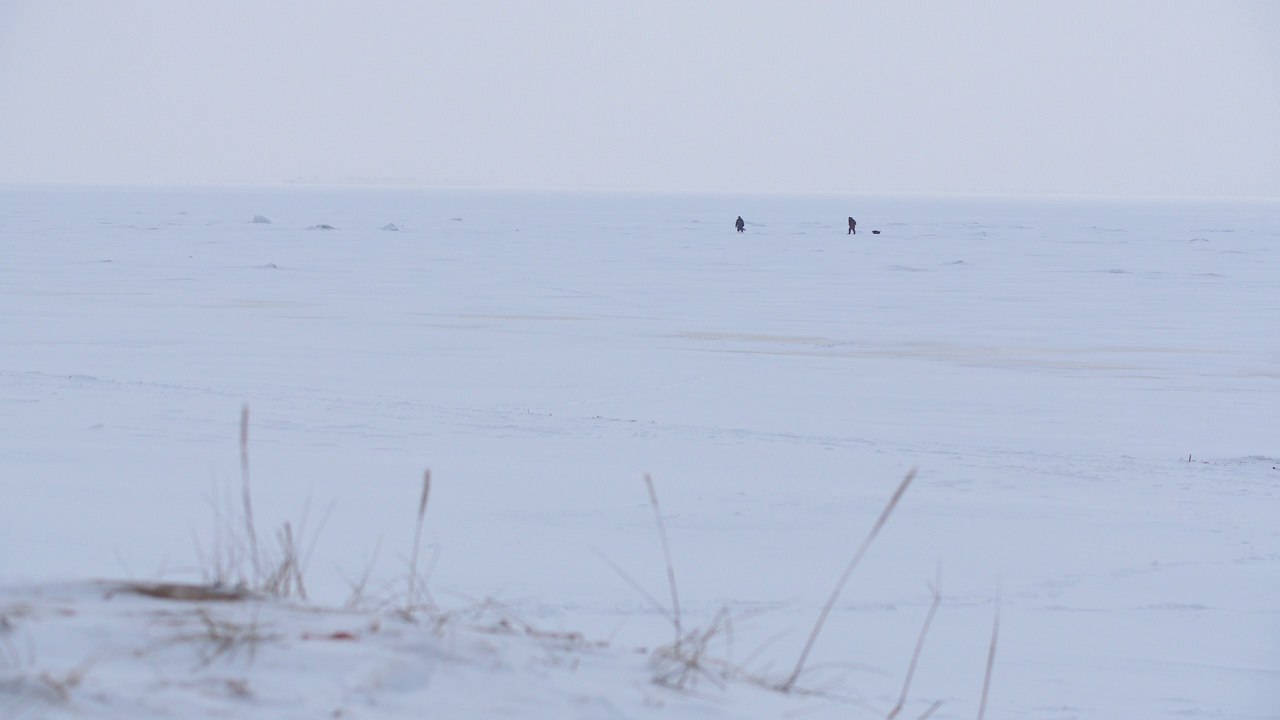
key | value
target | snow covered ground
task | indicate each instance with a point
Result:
(1090, 391)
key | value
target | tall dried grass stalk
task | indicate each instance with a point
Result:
(417, 542)
(358, 587)
(915, 654)
(666, 555)
(224, 565)
(237, 559)
(991, 663)
(250, 532)
(286, 577)
(634, 585)
(844, 578)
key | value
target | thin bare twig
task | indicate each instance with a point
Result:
(991, 662)
(417, 541)
(357, 588)
(915, 655)
(250, 532)
(632, 582)
(932, 709)
(844, 578)
(666, 554)
(304, 561)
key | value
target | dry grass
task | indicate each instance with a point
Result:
(705, 654)
(688, 659)
(412, 597)
(418, 596)
(991, 663)
(286, 576)
(213, 636)
(844, 578)
(251, 533)
(222, 637)
(21, 687)
(691, 659)
(666, 556)
(61, 684)
(682, 662)
(185, 592)
(236, 561)
(358, 587)
(500, 618)
(238, 568)
(915, 658)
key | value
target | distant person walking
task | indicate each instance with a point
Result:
(853, 227)
(740, 225)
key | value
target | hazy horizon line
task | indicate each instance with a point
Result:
(554, 189)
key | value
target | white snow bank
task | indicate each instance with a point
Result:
(105, 650)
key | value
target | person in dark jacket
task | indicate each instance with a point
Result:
(853, 227)
(740, 225)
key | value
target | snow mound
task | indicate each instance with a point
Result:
(262, 219)
(390, 226)
(163, 650)
(322, 226)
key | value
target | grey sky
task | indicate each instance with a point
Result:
(1115, 97)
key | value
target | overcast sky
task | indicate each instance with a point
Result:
(1114, 97)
